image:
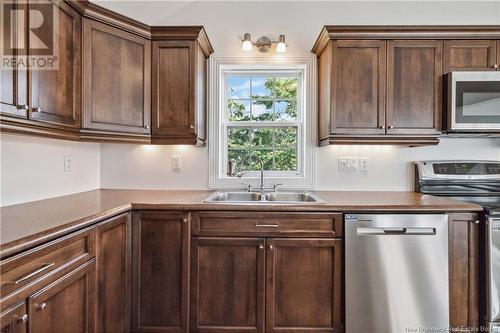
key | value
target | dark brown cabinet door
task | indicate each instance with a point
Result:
(358, 87)
(55, 94)
(476, 55)
(464, 270)
(160, 273)
(227, 288)
(14, 320)
(66, 305)
(498, 55)
(113, 253)
(14, 82)
(304, 285)
(117, 78)
(414, 84)
(178, 92)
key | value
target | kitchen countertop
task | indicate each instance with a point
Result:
(26, 225)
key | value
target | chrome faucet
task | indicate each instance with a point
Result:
(233, 169)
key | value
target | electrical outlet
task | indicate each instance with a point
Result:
(176, 162)
(348, 164)
(363, 164)
(68, 163)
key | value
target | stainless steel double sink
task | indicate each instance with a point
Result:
(264, 198)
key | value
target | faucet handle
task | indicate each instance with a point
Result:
(248, 186)
(275, 186)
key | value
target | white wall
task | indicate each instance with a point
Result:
(301, 21)
(32, 168)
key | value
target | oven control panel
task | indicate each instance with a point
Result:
(458, 169)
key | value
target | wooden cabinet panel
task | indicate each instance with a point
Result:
(113, 253)
(160, 273)
(464, 270)
(227, 285)
(117, 76)
(358, 87)
(474, 55)
(13, 82)
(498, 55)
(178, 89)
(414, 87)
(261, 224)
(66, 305)
(14, 320)
(55, 94)
(304, 285)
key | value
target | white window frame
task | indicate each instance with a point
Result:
(302, 66)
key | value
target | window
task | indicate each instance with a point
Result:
(262, 119)
(259, 111)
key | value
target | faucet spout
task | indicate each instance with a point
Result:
(233, 169)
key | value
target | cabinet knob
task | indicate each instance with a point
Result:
(495, 66)
(42, 306)
(23, 319)
(271, 247)
(146, 127)
(381, 127)
(184, 220)
(390, 127)
(23, 107)
(261, 246)
(476, 222)
(39, 110)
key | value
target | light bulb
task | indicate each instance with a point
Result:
(281, 47)
(247, 46)
(247, 43)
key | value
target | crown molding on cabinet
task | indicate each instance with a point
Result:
(404, 32)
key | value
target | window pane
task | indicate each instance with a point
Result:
(262, 137)
(285, 110)
(238, 137)
(260, 87)
(262, 110)
(238, 87)
(285, 160)
(237, 155)
(267, 158)
(282, 87)
(285, 137)
(238, 110)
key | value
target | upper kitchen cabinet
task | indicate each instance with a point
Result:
(475, 55)
(55, 93)
(117, 77)
(179, 83)
(384, 84)
(414, 85)
(352, 87)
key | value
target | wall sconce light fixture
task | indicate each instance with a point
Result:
(264, 43)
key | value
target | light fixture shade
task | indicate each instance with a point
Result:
(281, 47)
(247, 43)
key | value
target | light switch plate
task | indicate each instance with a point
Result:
(68, 163)
(348, 163)
(176, 162)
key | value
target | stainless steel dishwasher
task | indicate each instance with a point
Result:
(396, 273)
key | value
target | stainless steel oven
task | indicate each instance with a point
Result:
(473, 101)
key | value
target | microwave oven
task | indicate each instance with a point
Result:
(473, 101)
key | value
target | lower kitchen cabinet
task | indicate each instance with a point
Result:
(67, 305)
(304, 285)
(301, 280)
(113, 274)
(15, 319)
(160, 272)
(227, 287)
(464, 270)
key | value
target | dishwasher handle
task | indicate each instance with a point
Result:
(379, 231)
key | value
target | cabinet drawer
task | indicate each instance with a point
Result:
(266, 224)
(19, 272)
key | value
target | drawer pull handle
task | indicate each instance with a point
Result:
(23, 319)
(261, 246)
(41, 307)
(30, 275)
(270, 225)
